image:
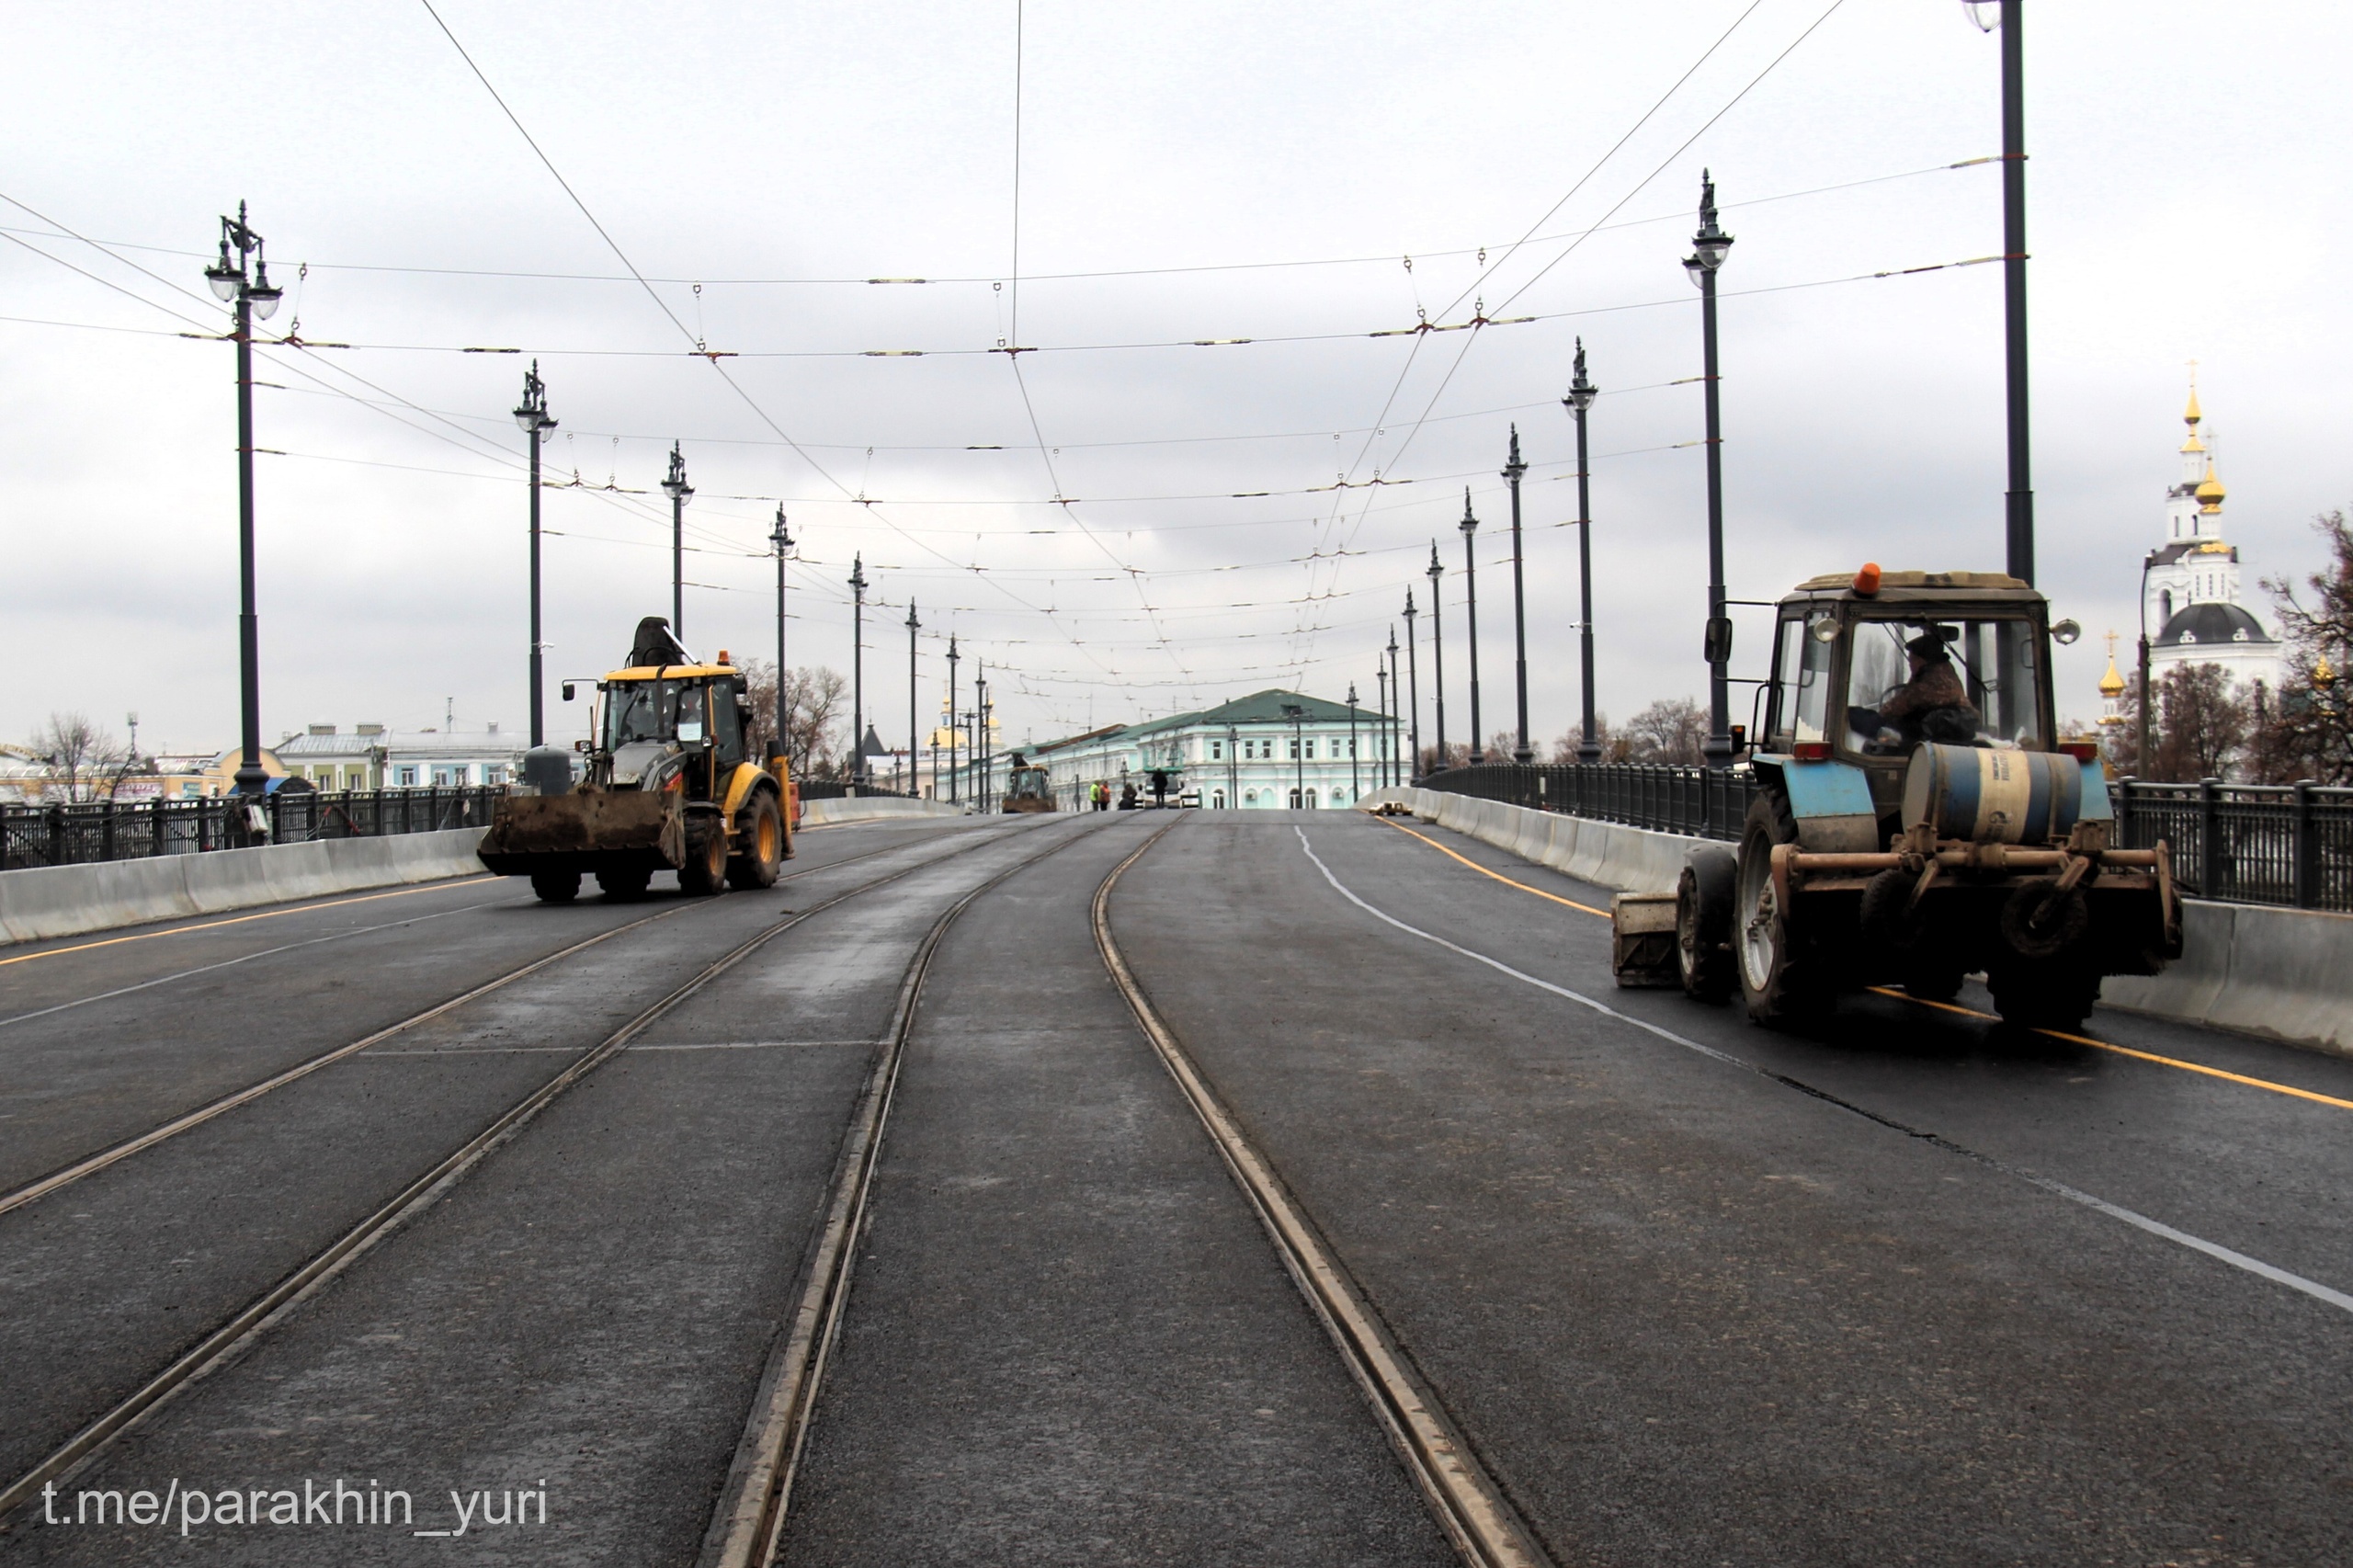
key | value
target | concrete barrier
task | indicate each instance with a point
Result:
(65, 900)
(868, 808)
(2285, 975)
(1608, 854)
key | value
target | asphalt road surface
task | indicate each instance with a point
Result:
(1903, 1287)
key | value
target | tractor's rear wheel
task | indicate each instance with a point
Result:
(759, 827)
(1773, 981)
(2058, 995)
(556, 887)
(705, 871)
(622, 884)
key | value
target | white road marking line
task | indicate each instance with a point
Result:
(2215, 1250)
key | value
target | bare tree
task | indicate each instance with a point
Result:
(2305, 730)
(1669, 730)
(2202, 723)
(78, 754)
(1566, 748)
(814, 698)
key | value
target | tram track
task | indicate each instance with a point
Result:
(231, 1336)
(1466, 1501)
(66, 1176)
(748, 1522)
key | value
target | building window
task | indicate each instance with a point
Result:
(449, 776)
(1217, 752)
(405, 777)
(1217, 800)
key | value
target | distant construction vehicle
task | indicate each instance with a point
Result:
(1027, 789)
(1916, 820)
(669, 787)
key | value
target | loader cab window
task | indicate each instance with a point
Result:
(648, 711)
(1953, 681)
(1801, 666)
(726, 727)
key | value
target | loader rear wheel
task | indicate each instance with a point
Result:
(2043, 995)
(762, 836)
(621, 883)
(705, 871)
(556, 887)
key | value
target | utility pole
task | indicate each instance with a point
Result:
(1471, 582)
(2018, 521)
(680, 493)
(914, 626)
(1413, 691)
(857, 667)
(780, 542)
(1581, 395)
(1380, 684)
(1437, 663)
(533, 418)
(254, 297)
(1513, 468)
(1709, 247)
(982, 747)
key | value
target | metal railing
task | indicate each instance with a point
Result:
(86, 832)
(2283, 844)
(839, 789)
(2288, 844)
(1703, 801)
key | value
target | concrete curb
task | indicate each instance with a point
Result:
(2284, 975)
(66, 901)
(867, 808)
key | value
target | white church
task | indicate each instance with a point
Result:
(2191, 588)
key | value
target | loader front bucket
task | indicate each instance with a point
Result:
(586, 832)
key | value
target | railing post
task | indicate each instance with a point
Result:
(2304, 851)
(2210, 849)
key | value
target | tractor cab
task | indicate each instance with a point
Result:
(683, 722)
(1868, 668)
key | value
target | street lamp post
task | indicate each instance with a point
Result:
(1413, 691)
(1524, 754)
(781, 541)
(953, 793)
(1396, 710)
(1581, 395)
(2141, 741)
(983, 749)
(914, 626)
(532, 415)
(2018, 519)
(1437, 664)
(857, 667)
(674, 485)
(253, 296)
(1471, 585)
(1380, 687)
(1709, 247)
(1356, 779)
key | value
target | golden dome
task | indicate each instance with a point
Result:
(2210, 491)
(2190, 417)
(2112, 684)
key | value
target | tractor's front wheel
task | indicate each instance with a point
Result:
(1704, 899)
(556, 887)
(759, 828)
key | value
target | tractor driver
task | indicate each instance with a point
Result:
(1932, 705)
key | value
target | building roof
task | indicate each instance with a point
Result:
(2210, 623)
(1267, 708)
(2205, 544)
(404, 744)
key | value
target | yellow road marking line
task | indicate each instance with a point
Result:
(2287, 1089)
(2138, 1055)
(240, 919)
(1483, 871)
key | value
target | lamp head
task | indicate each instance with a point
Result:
(675, 485)
(1470, 525)
(263, 294)
(1580, 391)
(1710, 245)
(1436, 570)
(225, 275)
(1985, 15)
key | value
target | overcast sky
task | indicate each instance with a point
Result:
(2186, 202)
